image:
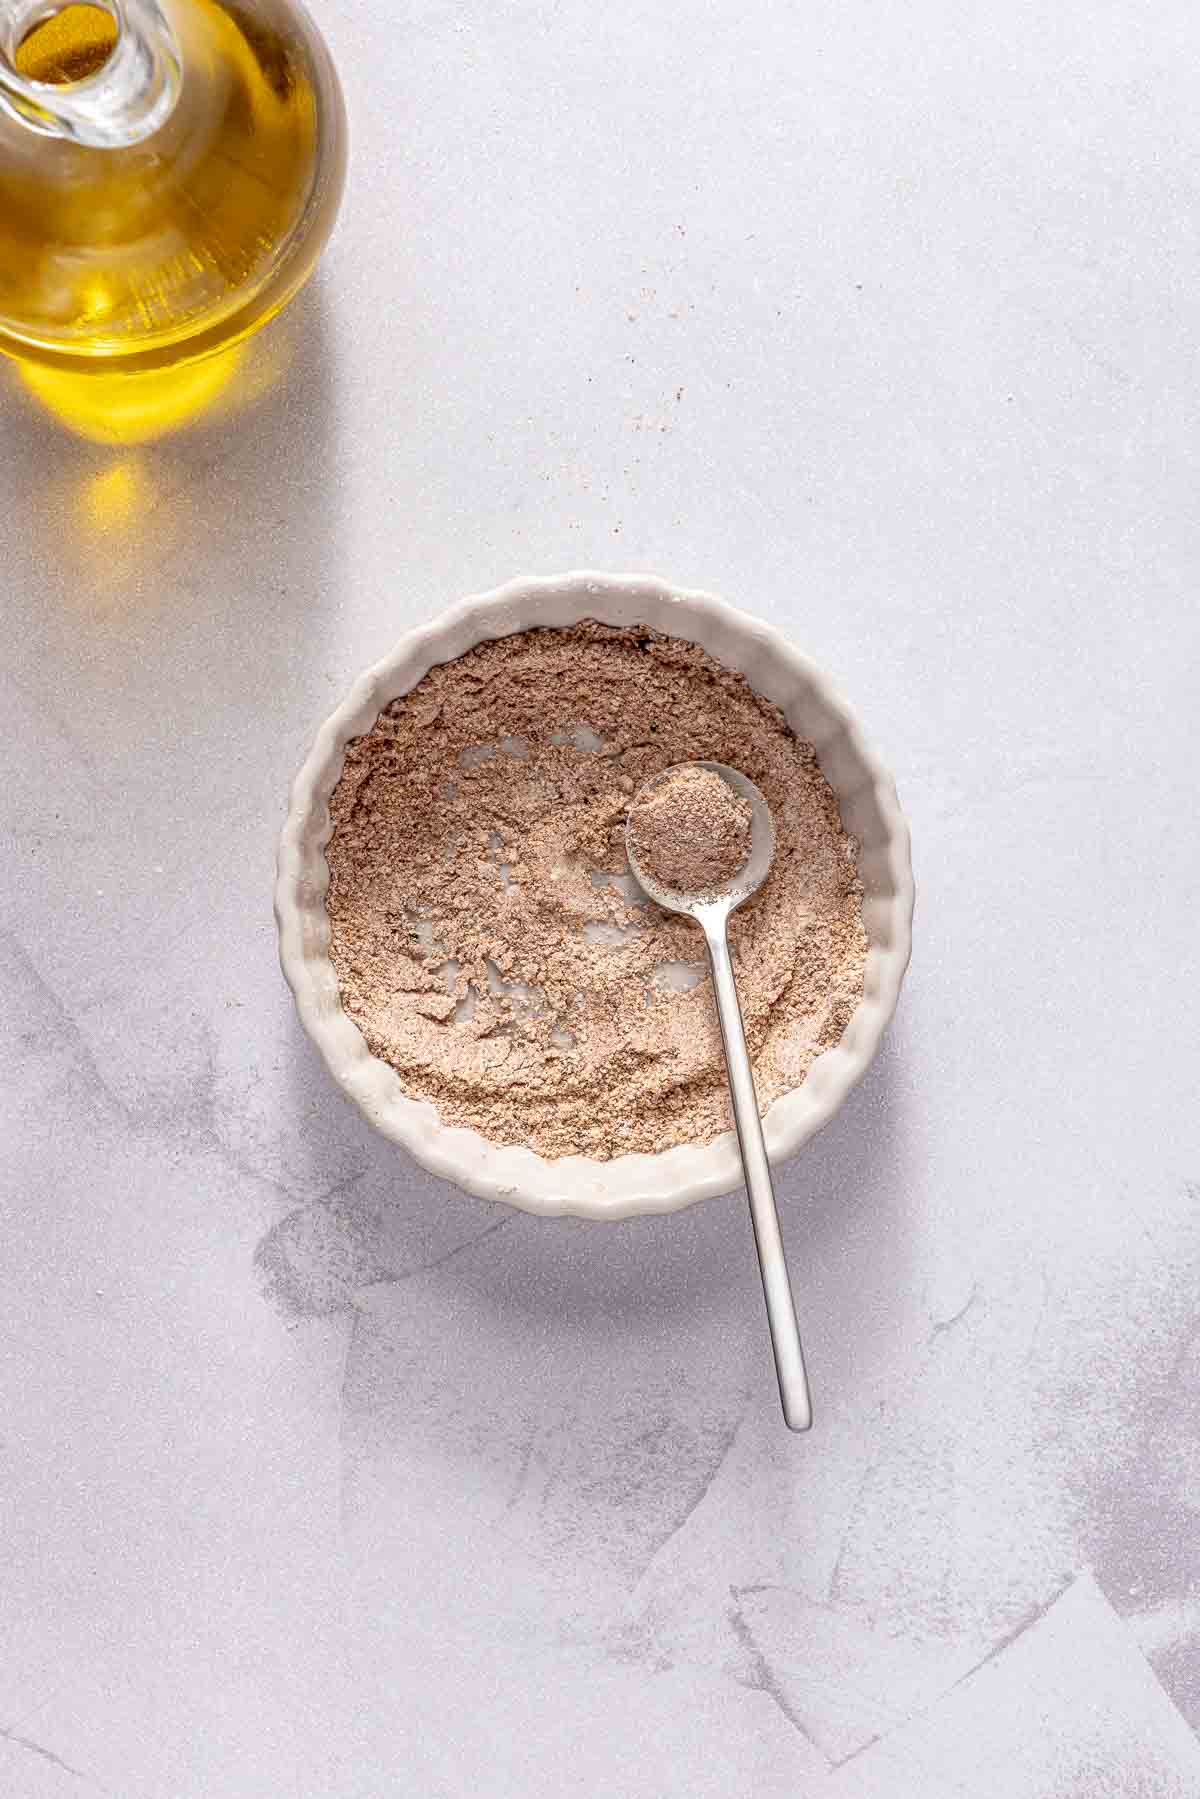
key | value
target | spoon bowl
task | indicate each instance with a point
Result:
(750, 876)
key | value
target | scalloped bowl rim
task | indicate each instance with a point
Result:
(576, 1185)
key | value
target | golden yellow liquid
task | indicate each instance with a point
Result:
(68, 46)
(150, 255)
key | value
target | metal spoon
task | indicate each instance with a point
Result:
(711, 912)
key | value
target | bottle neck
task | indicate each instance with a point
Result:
(128, 97)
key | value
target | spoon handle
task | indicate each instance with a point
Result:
(768, 1240)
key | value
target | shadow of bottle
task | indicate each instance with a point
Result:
(119, 480)
(163, 604)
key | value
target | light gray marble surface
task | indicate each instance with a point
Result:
(323, 1480)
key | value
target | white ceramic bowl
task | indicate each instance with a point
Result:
(870, 810)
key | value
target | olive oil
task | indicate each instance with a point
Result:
(69, 46)
(142, 255)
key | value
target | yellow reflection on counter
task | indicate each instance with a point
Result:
(112, 407)
(121, 528)
(117, 496)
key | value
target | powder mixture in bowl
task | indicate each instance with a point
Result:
(691, 832)
(489, 940)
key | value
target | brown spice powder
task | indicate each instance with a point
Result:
(691, 832)
(489, 940)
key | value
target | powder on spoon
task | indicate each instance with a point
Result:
(691, 831)
(489, 940)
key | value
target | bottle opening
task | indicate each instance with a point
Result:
(67, 46)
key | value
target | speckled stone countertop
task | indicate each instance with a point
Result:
(323, 1480)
